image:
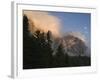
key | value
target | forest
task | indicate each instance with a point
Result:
(37, 51)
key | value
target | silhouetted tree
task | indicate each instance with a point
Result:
(60, 57)
(48, 50)
(27, 44)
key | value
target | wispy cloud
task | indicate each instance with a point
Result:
(43, 21)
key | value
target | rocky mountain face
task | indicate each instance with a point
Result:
(73, 46)
(43, 50)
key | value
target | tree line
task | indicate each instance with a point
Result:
(37, 51)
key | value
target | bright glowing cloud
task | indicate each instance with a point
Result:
(43, 21)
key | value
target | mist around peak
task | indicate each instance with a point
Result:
(45, 47)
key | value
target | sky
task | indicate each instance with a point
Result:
(75, 22)
(61, 22)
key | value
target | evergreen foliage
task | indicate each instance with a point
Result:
(37, 51)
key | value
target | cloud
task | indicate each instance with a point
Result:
(78, 35)
(43, 21)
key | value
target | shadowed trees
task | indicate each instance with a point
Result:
(59, 57)
(37, 51)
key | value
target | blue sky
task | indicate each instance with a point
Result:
(75, 22)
